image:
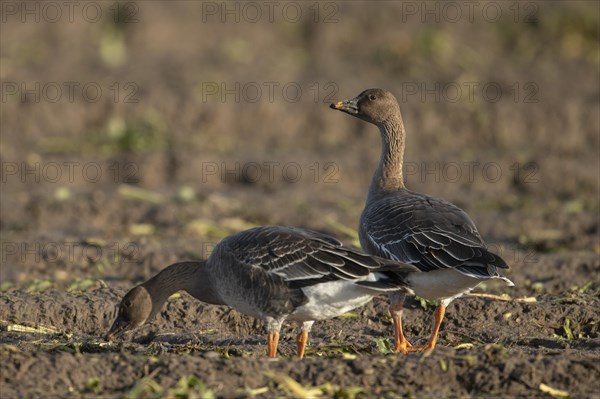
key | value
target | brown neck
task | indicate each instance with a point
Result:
(388, 175)
(191, 277)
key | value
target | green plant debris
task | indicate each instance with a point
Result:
(292, 387)
(6, 286)
(62, 193)
(95, 242)
(144, 388)
(503, 297)
(349, 315)
(205, 228)
(526, 299)
(575, 206)
(113, 50)
(384, 345)
(71, 347)
(471, 360)
(557, 393)
(575, 299)
(581, 290)
(39, 285)
(92, 384)
(100, 267)
(188, 387)
(80, 285)
(141, 229)
(191, 387)
(186, 194)
(136, 193)
(343, 348)
(465, 345)
(426, 304)
(34, 330)
(334, 391)
(236, 224)
(567, 329)
(538, 286)
(139, 135)
(443, 365)
(60, 145)
(256, 391)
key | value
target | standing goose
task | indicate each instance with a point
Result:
(272, 273)
(434, 235)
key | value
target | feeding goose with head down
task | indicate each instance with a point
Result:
(434, 235)
(272, 273)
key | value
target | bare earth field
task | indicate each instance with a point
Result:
(178, 149)
(502, 348)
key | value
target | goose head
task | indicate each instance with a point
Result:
(133, 311)
(372, 105)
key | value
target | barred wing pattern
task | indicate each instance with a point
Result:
(428, 233)
(303, 258)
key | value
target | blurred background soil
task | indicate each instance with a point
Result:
(135, 134)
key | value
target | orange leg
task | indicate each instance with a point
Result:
(438, 317)
(273, 341)
(302, 339)
(401, 344)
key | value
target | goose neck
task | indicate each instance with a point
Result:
(388, 175)
(192, 277)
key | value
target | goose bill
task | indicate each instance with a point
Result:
(348, 106)
(118, 328)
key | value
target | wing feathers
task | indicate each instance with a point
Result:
(428, 233)
(303, 257)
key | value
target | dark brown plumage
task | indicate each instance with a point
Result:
(273, 273)
(434, 235)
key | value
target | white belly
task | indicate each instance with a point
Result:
(328, 300)
(441, 284)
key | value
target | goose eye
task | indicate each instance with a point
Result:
(372, 97)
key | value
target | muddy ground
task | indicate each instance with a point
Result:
(102, 190)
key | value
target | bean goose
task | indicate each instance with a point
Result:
(434, 235)
(272, 273)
